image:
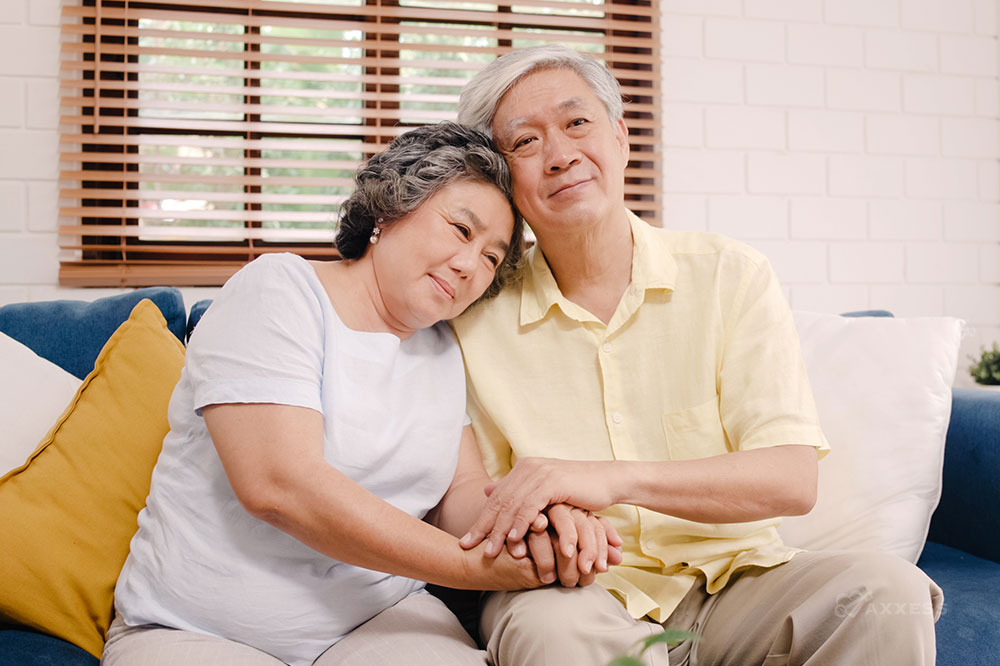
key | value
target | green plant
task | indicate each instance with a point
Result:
(668, 636)
(986, 370)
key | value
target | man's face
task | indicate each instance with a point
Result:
(567, 158)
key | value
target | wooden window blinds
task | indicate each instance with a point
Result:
(196, 136)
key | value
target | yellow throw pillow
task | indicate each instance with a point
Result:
(69, 512)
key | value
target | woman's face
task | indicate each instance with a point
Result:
(432, 264)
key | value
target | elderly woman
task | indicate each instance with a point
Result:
(319, 463)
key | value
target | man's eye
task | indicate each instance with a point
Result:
(523, 142)
(578, 121)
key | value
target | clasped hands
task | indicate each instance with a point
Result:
(542, 509)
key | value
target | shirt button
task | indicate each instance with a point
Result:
(606, 346)
(616, 417)
(650, 545)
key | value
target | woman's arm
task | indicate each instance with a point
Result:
(273, 457)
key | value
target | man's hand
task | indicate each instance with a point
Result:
(516, 500)
(575, 548)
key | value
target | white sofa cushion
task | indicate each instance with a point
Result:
(33, 395)
(883, 391)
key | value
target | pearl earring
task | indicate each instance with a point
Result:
(375, 232)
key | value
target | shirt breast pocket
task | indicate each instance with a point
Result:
(695, 432)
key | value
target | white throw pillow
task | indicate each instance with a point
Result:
(33, 394)
(883, 391)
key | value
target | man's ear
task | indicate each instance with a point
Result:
(621, 135)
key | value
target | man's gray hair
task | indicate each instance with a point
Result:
(481, 96)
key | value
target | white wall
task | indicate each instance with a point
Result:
(855, 142)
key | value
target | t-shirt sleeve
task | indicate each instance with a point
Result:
(493, 446)
(764, 393)
(261, 341)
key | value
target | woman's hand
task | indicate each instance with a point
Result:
(516, 500)
(503, 572)
(575, 547)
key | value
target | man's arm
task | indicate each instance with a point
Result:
(736, 487)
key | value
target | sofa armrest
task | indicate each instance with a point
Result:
(967, 516)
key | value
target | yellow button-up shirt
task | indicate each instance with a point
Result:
(700, 358)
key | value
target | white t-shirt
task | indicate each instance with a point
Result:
(393, 412)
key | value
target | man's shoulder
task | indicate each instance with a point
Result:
(495, 314)
(700, 243)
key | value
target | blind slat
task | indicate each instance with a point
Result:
(199, 135)
(350, 18)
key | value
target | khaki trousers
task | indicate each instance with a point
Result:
(819, 609)
(418, 630)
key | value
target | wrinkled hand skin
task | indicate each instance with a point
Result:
(574, 548)
(515, 501)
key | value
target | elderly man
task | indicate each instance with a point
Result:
(656, 377)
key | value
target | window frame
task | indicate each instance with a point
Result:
(100, 237)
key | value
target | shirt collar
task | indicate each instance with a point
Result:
(653, 267)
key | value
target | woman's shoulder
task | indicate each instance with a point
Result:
(438, 339)
(276, 263)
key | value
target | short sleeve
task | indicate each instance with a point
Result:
(262, 339)
(764, 394)
(493, 446)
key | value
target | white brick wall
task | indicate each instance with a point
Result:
(855, 142)
(29, 56)
(871, 136)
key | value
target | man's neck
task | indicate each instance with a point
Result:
(593, 268)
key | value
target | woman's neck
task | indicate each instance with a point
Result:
(353, 290)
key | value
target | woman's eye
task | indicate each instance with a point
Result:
(462, 230)
(493, 260)
(523, 142)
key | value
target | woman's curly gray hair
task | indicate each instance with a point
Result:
(417, 164)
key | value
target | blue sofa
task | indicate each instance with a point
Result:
(962, 553)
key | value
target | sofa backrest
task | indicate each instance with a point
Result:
(72, 333)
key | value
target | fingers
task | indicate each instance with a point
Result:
(587, 579)
(518, 549)
(503, 518)
(568, 569)
(562, 521)
(587, 540)
(601, 544)
(613, 546)
(613, 538)
(543, 554)
(480, 528)
(511, 525)
(541, 523)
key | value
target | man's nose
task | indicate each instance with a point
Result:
(561, 153)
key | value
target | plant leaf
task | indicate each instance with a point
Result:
(626, 661)
(668, 636)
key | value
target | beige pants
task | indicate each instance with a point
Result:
(419, 630)
(849, 609)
